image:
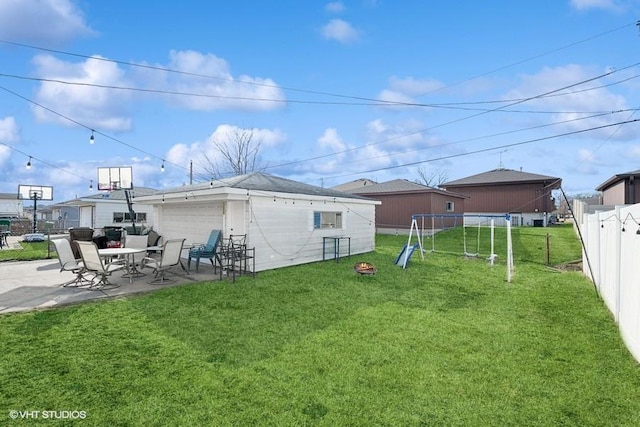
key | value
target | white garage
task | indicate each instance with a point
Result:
(287, 222)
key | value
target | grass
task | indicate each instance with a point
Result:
(30, 251)
(445, 342)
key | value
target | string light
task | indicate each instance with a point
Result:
(29, 163)
(162, 167)
(91, 185)
(92, 139)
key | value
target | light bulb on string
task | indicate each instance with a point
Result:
(92, 139)
(162, 167)
(91, 185)
(29, 163)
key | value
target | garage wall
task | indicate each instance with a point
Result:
(282, 230)
(192, 221)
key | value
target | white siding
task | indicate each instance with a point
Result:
(192, 221)
(86, 216)
(105, 210)
(282, 231)
(11, 207)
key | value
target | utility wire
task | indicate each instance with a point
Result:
(483, 150)
(304, 91)
(168, 70)
(509, 132)
(91, 129)
(45, 162)
(374, 103)
(451, 121)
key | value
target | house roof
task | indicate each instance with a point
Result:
(617, 178)
(258, 181)
(500, 176)
(8, 196)
(399, 186)
(353, 185)
(113, 195)
(119, 194)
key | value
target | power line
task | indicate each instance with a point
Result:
(483, 150)
(509, 132)
(373, 103)
(45, 162)
(378, 101)
(91, 129)
(451, 121)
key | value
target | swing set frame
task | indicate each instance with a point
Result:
(419, 231)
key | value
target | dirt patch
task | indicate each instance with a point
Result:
(569, 266)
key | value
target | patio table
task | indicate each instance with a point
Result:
(131, 269)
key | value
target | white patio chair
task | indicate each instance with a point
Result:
(171, 251)
(136, 242)
(93, 263)
(68, 262)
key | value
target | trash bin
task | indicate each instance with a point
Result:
(538, 223)
(83, 234)
(114, 236)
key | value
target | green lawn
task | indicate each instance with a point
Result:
(30, 251)
(445, 342)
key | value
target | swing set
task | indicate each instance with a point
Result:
(419, 223)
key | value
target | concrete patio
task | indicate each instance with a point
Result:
(30, 285)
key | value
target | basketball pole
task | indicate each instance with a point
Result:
(34, 196)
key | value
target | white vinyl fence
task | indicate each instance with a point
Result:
(612, 255)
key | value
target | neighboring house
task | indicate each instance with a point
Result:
(621, 189)
(357, 184)
(402, 198)
(60, 215)
(10, 205)
(285, 221)
(526, 196)
(110, 209)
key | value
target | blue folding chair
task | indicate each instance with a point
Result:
(208, 250)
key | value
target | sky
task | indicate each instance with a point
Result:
(331, 91)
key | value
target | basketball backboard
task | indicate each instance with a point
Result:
(37, 192)
(115, 178)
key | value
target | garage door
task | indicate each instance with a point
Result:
(192, 221)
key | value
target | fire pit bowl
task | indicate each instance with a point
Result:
(364, 268)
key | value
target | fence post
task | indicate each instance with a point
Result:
(548, 250)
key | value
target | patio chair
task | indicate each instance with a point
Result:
(68, 262)
(93, 263)
(206, 250)
(236, 251)
(171, 251)
(136, 242)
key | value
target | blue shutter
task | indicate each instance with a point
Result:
(316, 220)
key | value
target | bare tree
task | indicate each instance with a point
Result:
(432, 178)
(238, 152)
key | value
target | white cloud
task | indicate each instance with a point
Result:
(210, 78)
(51, 21)
(335, 7)
(341, 31)
(413, 86)
(594, 4)
(331, 140)
(108, 109)
(634, 152)
(182, 153)
(404, 90)
(9, 131)
(577, 101)
(100, 108)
